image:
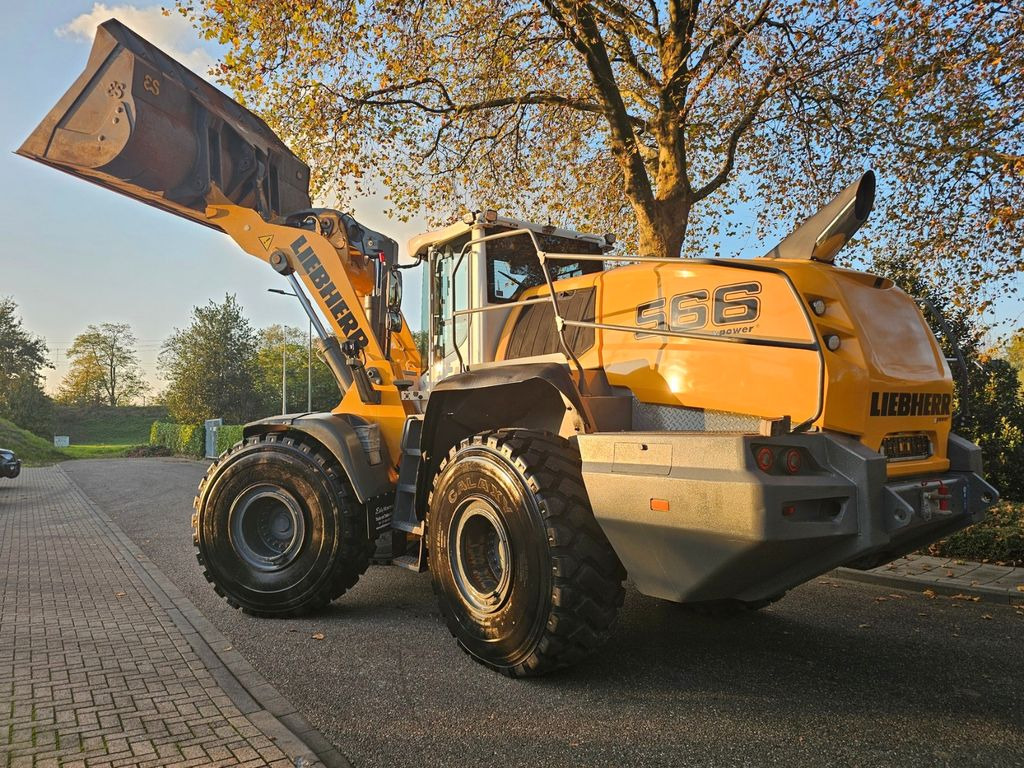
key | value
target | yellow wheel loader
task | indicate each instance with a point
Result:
(720, 431)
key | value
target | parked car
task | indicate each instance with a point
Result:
(10, 465)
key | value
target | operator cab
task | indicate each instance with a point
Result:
(478, 271)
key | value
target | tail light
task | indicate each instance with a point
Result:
(793, 461)
(783, 460)
(765, 458)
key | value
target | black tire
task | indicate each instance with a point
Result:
(525, 578)
(277, 528)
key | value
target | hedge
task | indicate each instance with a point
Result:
(183, 439)
(998, 539)
(228, 435)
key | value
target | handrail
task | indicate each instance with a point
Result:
(561, 322)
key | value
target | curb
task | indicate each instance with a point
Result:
(248, 690)
(988, 594)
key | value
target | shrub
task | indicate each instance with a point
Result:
(228, 435)
(183, 439)
(998, 539)
(147, 451)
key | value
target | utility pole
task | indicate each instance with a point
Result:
(309, 362)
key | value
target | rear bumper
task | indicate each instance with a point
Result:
(732, 531)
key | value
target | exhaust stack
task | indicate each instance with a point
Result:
(139, 123)
(823, 234)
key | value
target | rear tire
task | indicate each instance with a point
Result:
(277, 528)
(525, 578)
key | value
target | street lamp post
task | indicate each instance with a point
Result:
(309, 360)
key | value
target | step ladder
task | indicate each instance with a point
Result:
(404, 517)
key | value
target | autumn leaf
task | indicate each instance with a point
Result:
(929, 593)
(318, 635)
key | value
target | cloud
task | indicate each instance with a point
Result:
(172, 34)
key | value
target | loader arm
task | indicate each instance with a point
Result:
(339, 281)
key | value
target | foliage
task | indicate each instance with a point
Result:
(147, 451)
(104, 368)
(1015, 355)
(181, 439)
(998, 539)
(325, 389)
(678, 112)
(422, 339)
(103, 425)
(228, 435)
(31, 449)
(22, 360)
(212, 366)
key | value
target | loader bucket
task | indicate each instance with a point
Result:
(138, 122)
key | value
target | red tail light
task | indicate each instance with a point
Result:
(765, 458)
(793, 461)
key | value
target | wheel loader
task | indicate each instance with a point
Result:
(717, 430)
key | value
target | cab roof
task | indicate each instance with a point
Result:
(419, 245)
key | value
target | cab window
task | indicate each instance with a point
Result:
(513, 266)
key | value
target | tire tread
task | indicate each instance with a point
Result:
(588, 577)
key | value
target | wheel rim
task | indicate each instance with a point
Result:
(481, 556)
(267, 527)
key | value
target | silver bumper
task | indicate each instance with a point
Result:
(693, 519)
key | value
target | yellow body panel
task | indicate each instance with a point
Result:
(760, 350)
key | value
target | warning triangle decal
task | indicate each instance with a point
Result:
(266, 240)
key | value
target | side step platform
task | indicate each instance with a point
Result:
(404, 517)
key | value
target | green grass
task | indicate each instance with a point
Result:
(32, 450)
(107, 426)
(115, 451)
(35, 451)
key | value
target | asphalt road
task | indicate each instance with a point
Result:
(837, 673)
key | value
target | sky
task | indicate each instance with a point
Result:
(77, 254)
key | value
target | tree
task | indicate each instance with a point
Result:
(677, 112)
(22, 361)
(104, 368)
(422, 339)
(1015, 355)
(211, 366)
(325, 388)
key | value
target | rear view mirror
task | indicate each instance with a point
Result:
(394, 289)
(395, 323)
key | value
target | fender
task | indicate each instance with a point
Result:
(538, 396)
(336, 433)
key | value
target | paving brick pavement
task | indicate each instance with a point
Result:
(98, 667)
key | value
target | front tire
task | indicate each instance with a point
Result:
(525, 578)
(277, 528)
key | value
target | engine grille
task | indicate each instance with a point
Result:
(907, 447)
(669, 418)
